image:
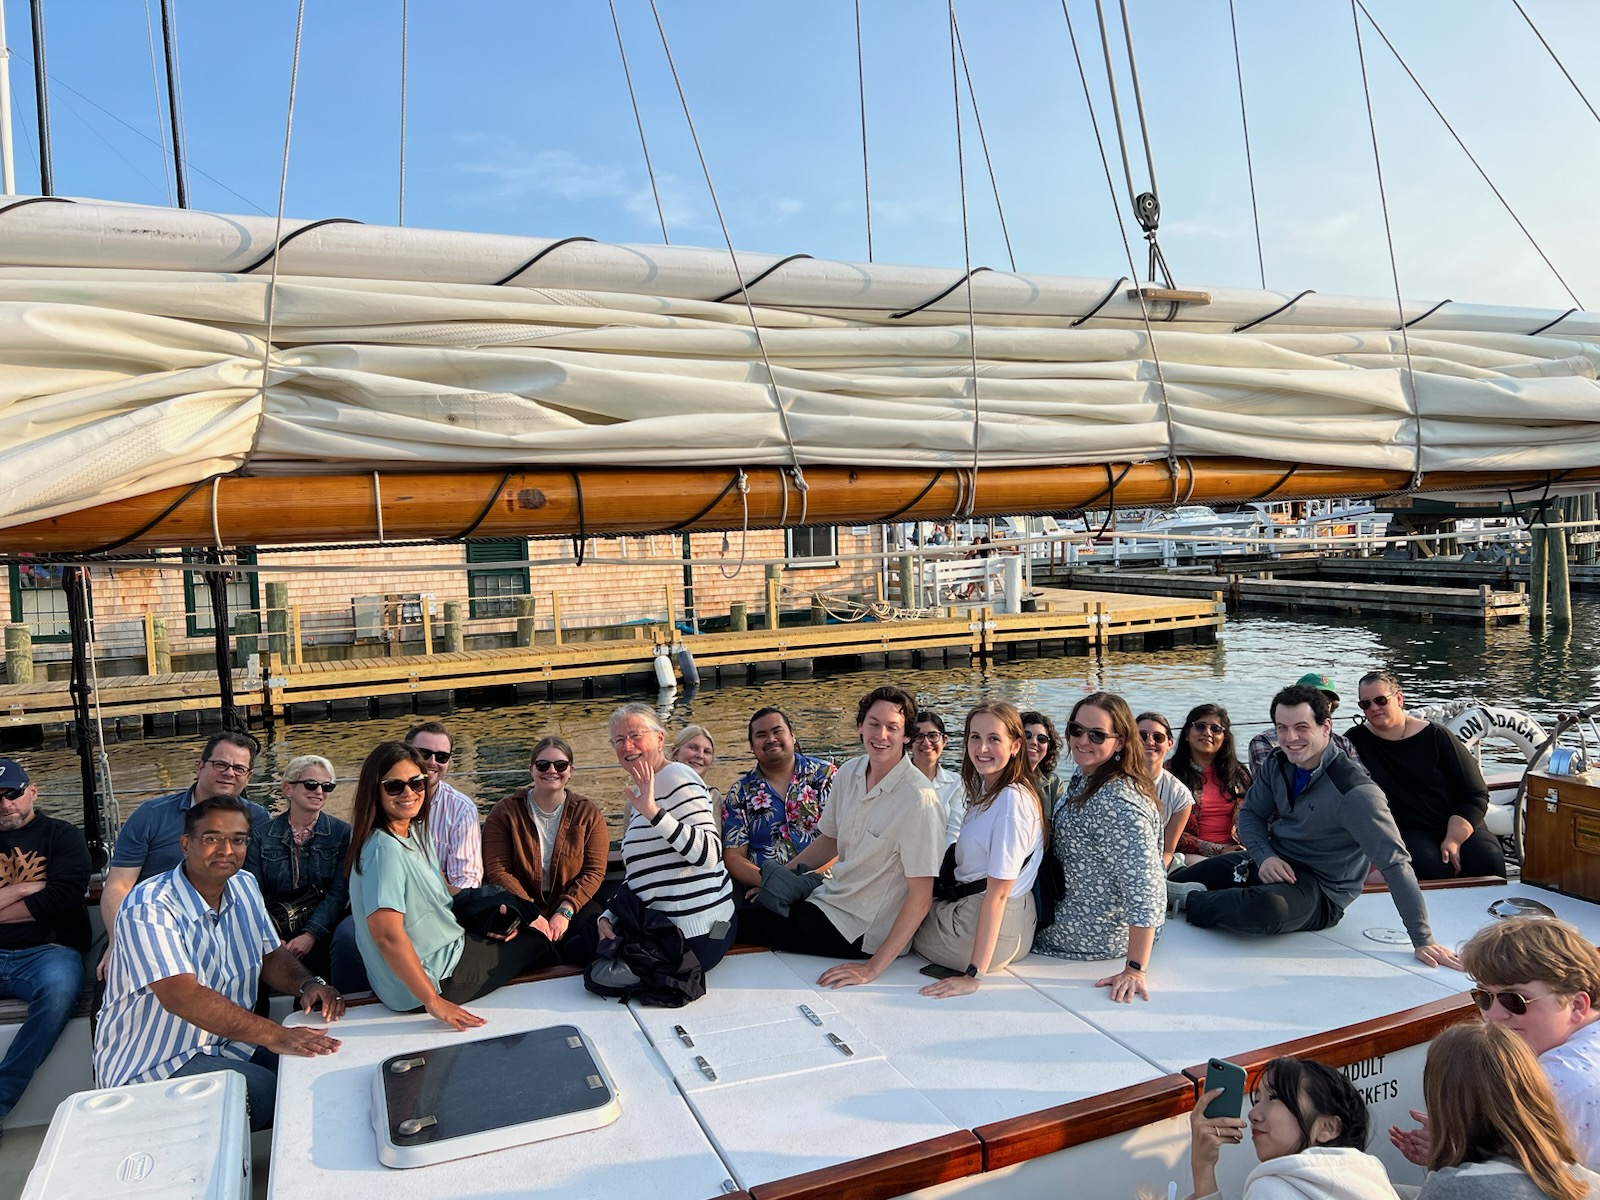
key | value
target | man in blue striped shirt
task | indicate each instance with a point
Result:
(192, 944)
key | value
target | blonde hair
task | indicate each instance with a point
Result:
(1535, 950)
(687, 734)
(1488, 1098)
(296, 770)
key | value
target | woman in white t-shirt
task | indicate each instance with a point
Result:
(1175, 799)
(991, 918)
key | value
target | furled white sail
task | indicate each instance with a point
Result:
(133, 343)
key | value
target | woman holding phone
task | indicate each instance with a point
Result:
(1309, 1127)
(416, 956)
(990, 919)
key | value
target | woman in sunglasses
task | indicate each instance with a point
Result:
(1155, 737)
(298, 858)
(1043, 744)
(1207, 763)
(1496, 1130)
(548, 844)
(1107, 836)
(416, 955)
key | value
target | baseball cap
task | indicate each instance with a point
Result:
(11, 774)
(1321, 682)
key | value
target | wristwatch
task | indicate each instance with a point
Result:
(972, 970)
(1135, 965)
(566, 912)
(317, 979)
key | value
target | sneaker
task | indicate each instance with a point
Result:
(1178, 894)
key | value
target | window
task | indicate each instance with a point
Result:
(244, 593)
(39, 601)
(492, 592)
(817, 545)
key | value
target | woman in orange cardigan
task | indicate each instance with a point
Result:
(548, 844)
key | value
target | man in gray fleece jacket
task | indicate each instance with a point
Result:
(1310, 823)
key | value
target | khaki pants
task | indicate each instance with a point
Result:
(946, 933)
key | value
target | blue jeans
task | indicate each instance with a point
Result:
(346, 969)
(48, 978)
(260, 1073)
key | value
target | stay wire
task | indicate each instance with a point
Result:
(1138, 100)
(155, 87)
(1557, 61)
(1127, 249)
(638, 121)
(1116, 106)
(861, 92)
(1504, 203)
(1249, 163)
(983, 141)
(966, 254)
(1388, 235)
(405, 49)
(795, 468)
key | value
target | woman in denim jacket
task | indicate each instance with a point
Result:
(304, 847)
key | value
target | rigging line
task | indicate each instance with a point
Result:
(1556, 60)
(1116, 107)
(107, 143)
(1127, 249)
(405, 47)
(1110, 295)
(750, 308)
(169, 41)
(1249, 163)
(638, 121)
(1388, 235)
(155, 88)
(861, 92)
(1138, 99)
(1504, 203)
(966, 254)
(983, 141)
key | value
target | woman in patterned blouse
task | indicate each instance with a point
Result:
(1107, 836)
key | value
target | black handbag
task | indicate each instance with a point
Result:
(291, 912)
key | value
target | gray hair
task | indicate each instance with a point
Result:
(688, 733)
(635, 709)
(296, 769)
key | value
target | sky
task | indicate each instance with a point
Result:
(518, 120)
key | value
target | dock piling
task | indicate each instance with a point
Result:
(278, 619)
(525, 606)
(19, 654)
(454, 642)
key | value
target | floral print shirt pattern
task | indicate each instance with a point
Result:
(776, 828)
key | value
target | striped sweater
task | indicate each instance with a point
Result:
(674, 863)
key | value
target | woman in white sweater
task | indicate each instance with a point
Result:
(1309, 1127)
(671, 851)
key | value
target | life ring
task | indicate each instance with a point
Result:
(1472, 725)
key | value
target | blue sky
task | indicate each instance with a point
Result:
(519, 121)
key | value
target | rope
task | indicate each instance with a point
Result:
(1138, 99)
(638, 121)
(914, 501)
(1284, 307)
(983, 141)
(1504, 203)
(971, 271)
(1556, 60)
(488, 507)
(1424, 316)
(377, 503)
(746, 286)
(861, 92)
(1116, 106)
(967, 260)
(750, 308)
(1104, 300)
(216, 528)
(1249, 163)
(1388, 236)
(529, 263)
(405, 41)
(280, 240)
(35, 200)
(152, 522)
(743, 482)
(1553, 324)
(582, 535)
(155, 88)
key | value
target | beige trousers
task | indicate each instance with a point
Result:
(946, 933)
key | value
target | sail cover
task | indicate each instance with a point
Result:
(145, 348)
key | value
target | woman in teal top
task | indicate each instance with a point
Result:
(415, 953)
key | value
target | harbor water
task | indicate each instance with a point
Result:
(1543, 672)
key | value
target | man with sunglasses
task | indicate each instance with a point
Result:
(1540, 979)
(1435, 789)
(452, 818)
(44, 866)
(194, 945)
(149, 843)
(1264, 743)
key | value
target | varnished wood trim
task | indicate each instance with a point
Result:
(1438, 885)
(1018, 1139)
(881, 1176)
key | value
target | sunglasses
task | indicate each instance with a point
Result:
(317, 785)
(439, 756)
(1210, 727)
(1154, 737)
(1097, 737)
(1042, 739)
(12, 793)
(1373, 702)
(394, 787)
(1514, 1003)
(558, 765)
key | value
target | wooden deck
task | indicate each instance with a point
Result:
(1066, 621)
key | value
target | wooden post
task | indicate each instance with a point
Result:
(271, 664)
(555, 616)
(671, 624)
(454, 642)
(427, 626)
(149, 642)
(162, 662)
(772, 601)
(19, 654)
(738, 617)
(1538, 567)
(278, 620)
(908, 581)
(246, 639)
(819, 615)
(1560, 584)
(295, 655)
(525, 610)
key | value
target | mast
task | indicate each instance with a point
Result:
(169, 49)
(41, 95)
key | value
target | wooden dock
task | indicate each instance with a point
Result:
(1481, 604)
(1066, 622)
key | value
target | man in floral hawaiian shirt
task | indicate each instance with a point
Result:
(771, 814)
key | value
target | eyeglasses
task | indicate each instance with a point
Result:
(394, 787)
(9, 794)
(1210, 727)
(439, 756)
(558, 765)
(1042, 739)
(314, 785)
(1381, 701)
(933, 735)
(1097, 737)
(1514, 1003)
(623, 739)
(223, 767)
(1154, 737)
(236, 841)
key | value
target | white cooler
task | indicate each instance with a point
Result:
(179, 1139)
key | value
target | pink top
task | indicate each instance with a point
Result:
(1215, 811)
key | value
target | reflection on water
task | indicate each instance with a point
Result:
(1505, 665)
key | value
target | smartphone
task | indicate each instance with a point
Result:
(1230, 1078)
(935, 971)
(506, 923)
